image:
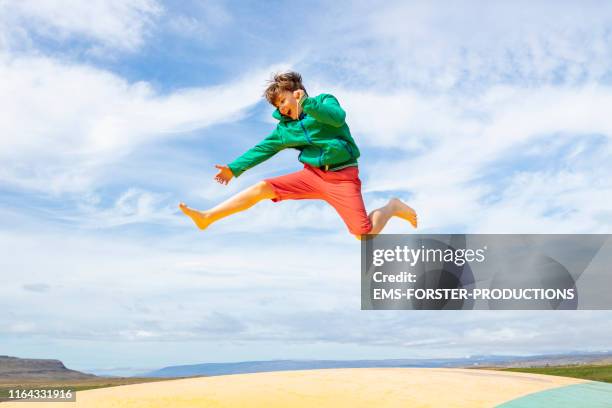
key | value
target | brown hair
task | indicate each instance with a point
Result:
(283, 81)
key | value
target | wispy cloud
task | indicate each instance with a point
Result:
(200, 22)
(107, 25)
(64, 123)
(465, 46)
(498, 161)
(131, 207)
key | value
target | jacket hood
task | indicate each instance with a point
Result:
(277, 115)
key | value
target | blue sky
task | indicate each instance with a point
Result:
(485, 117)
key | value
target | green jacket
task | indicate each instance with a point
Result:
(321, 135)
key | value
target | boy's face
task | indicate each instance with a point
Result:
(287, 104)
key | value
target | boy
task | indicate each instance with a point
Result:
(316, 127)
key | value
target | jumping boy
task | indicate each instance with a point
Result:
(316, 127)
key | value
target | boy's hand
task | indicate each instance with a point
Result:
(299, 95)
(224, 175)
(299, 98)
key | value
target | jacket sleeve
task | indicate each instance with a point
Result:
(327, 110)
(259, 153)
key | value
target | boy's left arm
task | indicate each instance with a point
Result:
(327, 110)
(259, 153)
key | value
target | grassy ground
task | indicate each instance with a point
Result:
(588, 372)
(74, 385)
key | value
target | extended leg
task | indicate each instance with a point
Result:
(239, 202)
(395, 207)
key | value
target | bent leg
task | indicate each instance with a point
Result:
(352, 211)
(394, 208)
(345, 197)
(239, 202)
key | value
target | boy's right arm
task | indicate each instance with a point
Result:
(325, 109)
(259, 153)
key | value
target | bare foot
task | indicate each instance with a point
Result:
(404, 211)
(199, 217)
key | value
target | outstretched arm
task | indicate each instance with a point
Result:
(259, 153)
(327, 110)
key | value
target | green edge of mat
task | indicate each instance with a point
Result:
(588, 395)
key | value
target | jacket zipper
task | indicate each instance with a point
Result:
(310, 142)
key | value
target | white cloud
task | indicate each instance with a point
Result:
(64, 123)
(132, 206)
(454, 94)
(111, 24)
(446, 151)
(465, 45)
(202, 22)
(125, 283)
(193, 288)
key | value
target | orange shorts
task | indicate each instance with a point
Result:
(341, 189)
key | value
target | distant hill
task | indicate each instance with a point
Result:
(288, 365)
(274, 365)
(14, 367)
(559, 360)
(211, 369)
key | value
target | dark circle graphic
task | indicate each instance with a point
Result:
(539, 272)
(437, 279)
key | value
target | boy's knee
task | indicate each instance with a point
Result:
(365, 227)
(362, 231)
(264, 189)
